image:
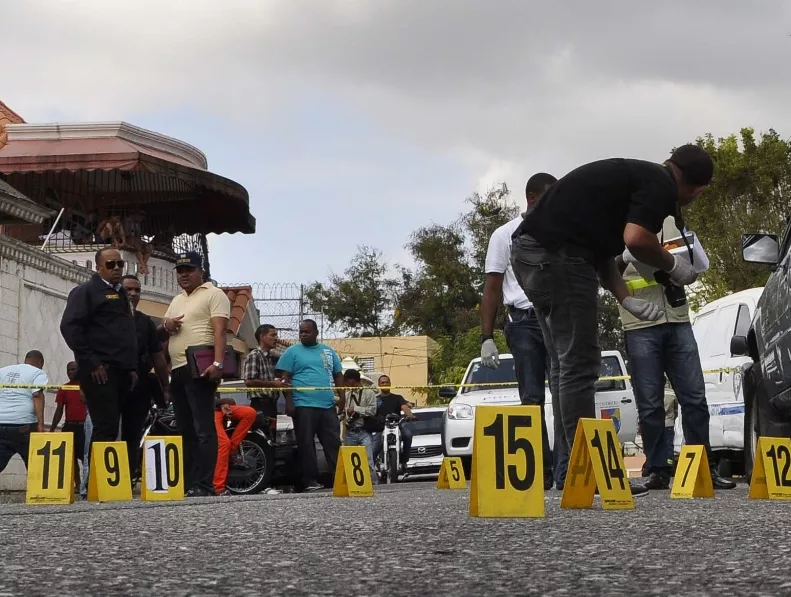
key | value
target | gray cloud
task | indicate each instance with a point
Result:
(507, 86)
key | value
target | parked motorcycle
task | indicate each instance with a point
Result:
(249, 472)
(390, 461)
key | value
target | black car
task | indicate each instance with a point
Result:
(767, 381)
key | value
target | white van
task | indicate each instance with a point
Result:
(714, 326)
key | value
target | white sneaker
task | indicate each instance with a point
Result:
(271, 491)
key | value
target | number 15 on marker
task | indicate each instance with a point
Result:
(507, 462)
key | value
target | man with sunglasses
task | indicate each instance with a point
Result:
(99, 327)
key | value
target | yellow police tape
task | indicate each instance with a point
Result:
(491, 384)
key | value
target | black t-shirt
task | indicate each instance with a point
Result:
(390, 404)
(147, 342)
(590, 206)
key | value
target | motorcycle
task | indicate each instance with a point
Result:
(250, 470)
(390, 461)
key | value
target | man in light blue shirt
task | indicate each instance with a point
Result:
(310, 364)
(21, 409)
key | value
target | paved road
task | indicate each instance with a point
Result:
(410, 540)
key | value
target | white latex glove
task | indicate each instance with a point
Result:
(628, 257)
(683, 272)
(489, 355)
(642, 309)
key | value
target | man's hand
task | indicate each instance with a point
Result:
(172, 325)
(683, 273)
(490, 357)
(281, 384)
(99, 375)
(350, 411)
(41, 428)
(226, 409)
(212, 373)
(166, 396)
(642, 309)
(133, 378)
(290, 408)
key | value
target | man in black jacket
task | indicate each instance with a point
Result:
(99, 327)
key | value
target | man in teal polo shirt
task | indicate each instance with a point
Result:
(310, 364)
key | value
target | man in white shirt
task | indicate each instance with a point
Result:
(21, 409)
(522, 332)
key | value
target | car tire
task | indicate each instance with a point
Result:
(751, 428)
(466, 464)
(442, 433)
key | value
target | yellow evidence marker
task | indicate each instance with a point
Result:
(596, 461)
(451, 475)
(693, 475)
(352, 474)
(162, 479)
(108, 473)
(50, 469)
(771, 478)
(507, 478)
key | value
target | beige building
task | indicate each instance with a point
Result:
(403, 358)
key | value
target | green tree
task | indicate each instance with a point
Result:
(610, 330)
(750, 193)
(437, 297)
(361, 301)
(488, 213)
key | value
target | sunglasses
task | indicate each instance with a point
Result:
(113, 263)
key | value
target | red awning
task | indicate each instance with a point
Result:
(125, 175)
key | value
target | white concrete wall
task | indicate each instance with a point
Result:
(33, 291)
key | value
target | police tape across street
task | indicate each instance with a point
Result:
(493, 384)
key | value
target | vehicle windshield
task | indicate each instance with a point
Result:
(428, 423)
(505, 373)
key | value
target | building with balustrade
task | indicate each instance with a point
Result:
(67, 190)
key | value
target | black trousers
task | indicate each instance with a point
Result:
(105, 402)
(193, 404)
(133, 419)
(14, 439)
(309, 423)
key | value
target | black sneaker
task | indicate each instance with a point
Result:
(197, 492)
(658, 481)
(224, 493)
(548, 481)
(638, 489)
(313, 487)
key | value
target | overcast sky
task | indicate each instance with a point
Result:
(356, 121)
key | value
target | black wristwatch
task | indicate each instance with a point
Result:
(485, 337)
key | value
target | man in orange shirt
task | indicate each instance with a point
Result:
(73, 403)
(244, 417)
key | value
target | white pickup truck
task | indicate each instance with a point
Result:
(614, 400)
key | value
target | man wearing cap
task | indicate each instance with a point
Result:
(568, 242)
(666, 346)
(196, 317)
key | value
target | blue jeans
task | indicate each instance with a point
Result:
(531, 363)
(361, 437)
(668, 348)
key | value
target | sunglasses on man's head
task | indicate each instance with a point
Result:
(114, 263)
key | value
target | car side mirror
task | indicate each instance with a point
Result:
(760, 248)
(448, 392)
(739, 346)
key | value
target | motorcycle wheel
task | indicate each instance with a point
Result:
(392, 466)
(255, 472)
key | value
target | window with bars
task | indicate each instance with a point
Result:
(366, 364)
